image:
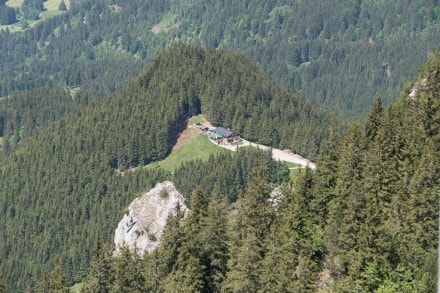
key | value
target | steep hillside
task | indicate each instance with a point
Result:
(22, 113)
(340, 54)
(365, 221)
(60, 188)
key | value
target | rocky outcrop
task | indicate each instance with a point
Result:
(143, 224)
(418, 86)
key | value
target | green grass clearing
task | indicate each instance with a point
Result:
(167, 22)
(77, 288)
(73, 91)
(197, 119)
(49, 13)
(200, 148)
(294, 173)
(52, 5)
(293, 165)
(51, 9)
(14, 3)
(12, 27)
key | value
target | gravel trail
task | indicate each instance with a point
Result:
(277, 154)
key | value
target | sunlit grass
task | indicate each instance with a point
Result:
(200, 148)
(14, 3)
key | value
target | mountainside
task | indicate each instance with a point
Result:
(91, 96)
(340, 54)
(365, 221)
(61, 189)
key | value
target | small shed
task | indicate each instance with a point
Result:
(202, 127)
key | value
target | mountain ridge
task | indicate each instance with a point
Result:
(72, 161)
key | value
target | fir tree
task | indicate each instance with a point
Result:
(347, 208)
(58, 280)
(2, 283)
(62, 6)
(255, 218)
(326, 176)
(165, 258)
(189, 271)
(214, 240)
(128, 272)
(373, 122)
(100, 276)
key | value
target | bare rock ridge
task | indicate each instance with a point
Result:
(141, 228)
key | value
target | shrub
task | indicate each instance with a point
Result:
(164, 193)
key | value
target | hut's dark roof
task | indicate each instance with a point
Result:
(224, 132)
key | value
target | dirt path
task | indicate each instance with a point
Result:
(191, 131)
(277, 154)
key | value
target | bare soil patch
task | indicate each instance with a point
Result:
(190, 132)
(187, 136)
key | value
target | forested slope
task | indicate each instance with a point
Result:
(340, 54)
(61, 188)
(365, 221)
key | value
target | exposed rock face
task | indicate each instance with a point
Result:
(275, 197)
(142, 226)
(419, 85)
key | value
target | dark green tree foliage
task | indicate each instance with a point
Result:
(32, 9)
(232, 92)
(214, 240)
(377, 232)
(128, 272)
(348, 206)
(2, 283)
(341, 54)
(190, 270)
(372, 124)
(383, 226)
(294, 252)
(326, 176)
(22, 114)
(230, 171)
(100, 276)
(62, 6)
(7, 15)
(254, 217)
(58, 280)
(60, 189)
(161, 262)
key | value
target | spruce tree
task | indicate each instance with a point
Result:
(189, 270)
(58, 280)
(214, 240)
(294, 246)
(3, 288)
(373, 120)
(168, 252)
(62, 6)
(346, 213)
(326, 176)
(128, 272)
(255, 216)
(100, 276)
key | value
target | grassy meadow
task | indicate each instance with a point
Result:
(200, 148)
(51, 9)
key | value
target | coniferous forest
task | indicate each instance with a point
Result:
(365, 221)
(339, 54)
(93, 94)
